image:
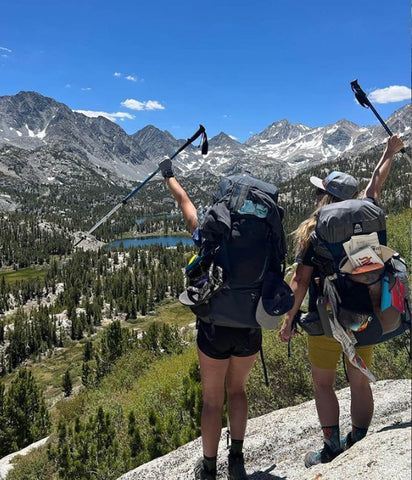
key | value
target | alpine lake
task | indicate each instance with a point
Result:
(147, 240)
(166, 241)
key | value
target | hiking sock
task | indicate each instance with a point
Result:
(357, 434)
(236, 447)
(209, 463)
(331, 437)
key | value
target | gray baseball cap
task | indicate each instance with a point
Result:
(338, 184)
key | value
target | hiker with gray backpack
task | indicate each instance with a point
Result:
(234, 286)
(356, 296)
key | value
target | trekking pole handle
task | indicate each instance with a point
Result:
(190, 140)
(364, 101)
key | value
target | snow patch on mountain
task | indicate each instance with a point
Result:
(43, 132)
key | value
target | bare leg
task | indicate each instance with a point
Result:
(237, 375)
(213, 373)
(327, 404)
(361, 398)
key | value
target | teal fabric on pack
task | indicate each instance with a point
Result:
(251, 208)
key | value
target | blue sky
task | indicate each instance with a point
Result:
(233, 66)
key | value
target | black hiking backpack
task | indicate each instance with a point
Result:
(355, 301)
(242, 238)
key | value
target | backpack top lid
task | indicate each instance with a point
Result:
(246, 196)
(338, 222)
(239, 185)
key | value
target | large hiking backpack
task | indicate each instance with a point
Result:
(242, 239)
(347, 306)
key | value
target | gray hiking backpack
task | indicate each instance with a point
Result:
(353, 299)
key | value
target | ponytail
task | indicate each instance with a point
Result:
(301, 235)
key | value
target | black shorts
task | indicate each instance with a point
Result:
(223, 342)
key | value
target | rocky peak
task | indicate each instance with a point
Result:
(156, 143)
(41, 127)
(278, 132)
(222, 140)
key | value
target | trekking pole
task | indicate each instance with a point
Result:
(364, 101)
(190, 140)
(294, 326)
(265, 371)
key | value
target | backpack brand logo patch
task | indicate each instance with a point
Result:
(357, 228)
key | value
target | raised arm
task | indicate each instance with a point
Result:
(382, 169)
(179, 194)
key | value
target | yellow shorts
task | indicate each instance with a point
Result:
(325, 352)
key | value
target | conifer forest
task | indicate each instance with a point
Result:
(97, 354)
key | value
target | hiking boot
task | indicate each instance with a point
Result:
(201, 472)
(326, 455)
(236, 467)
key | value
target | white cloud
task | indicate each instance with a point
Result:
(68, 85)
(136, 105)
(109, 116)
(154, 105)
(131, 78)
(395, 93)
(232, 137)
(86, 89)
(4, 49)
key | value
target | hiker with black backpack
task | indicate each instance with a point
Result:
(316, 272)
(241, 243)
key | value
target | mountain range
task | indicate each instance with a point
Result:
(44, 142)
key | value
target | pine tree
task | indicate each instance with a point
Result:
(1, 331)
(88, 351)
(137, 447)
(155, 444)
(113, 343)
(67, 384)
(25, 411)
(5, 440)
(86, 374)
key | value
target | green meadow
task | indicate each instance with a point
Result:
(28, 273)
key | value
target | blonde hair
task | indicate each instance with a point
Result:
(301, 235)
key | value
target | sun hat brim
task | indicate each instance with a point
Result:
(188, 300)
(317, 182)
(270, 322)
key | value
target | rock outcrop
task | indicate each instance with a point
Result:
(276, 443)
